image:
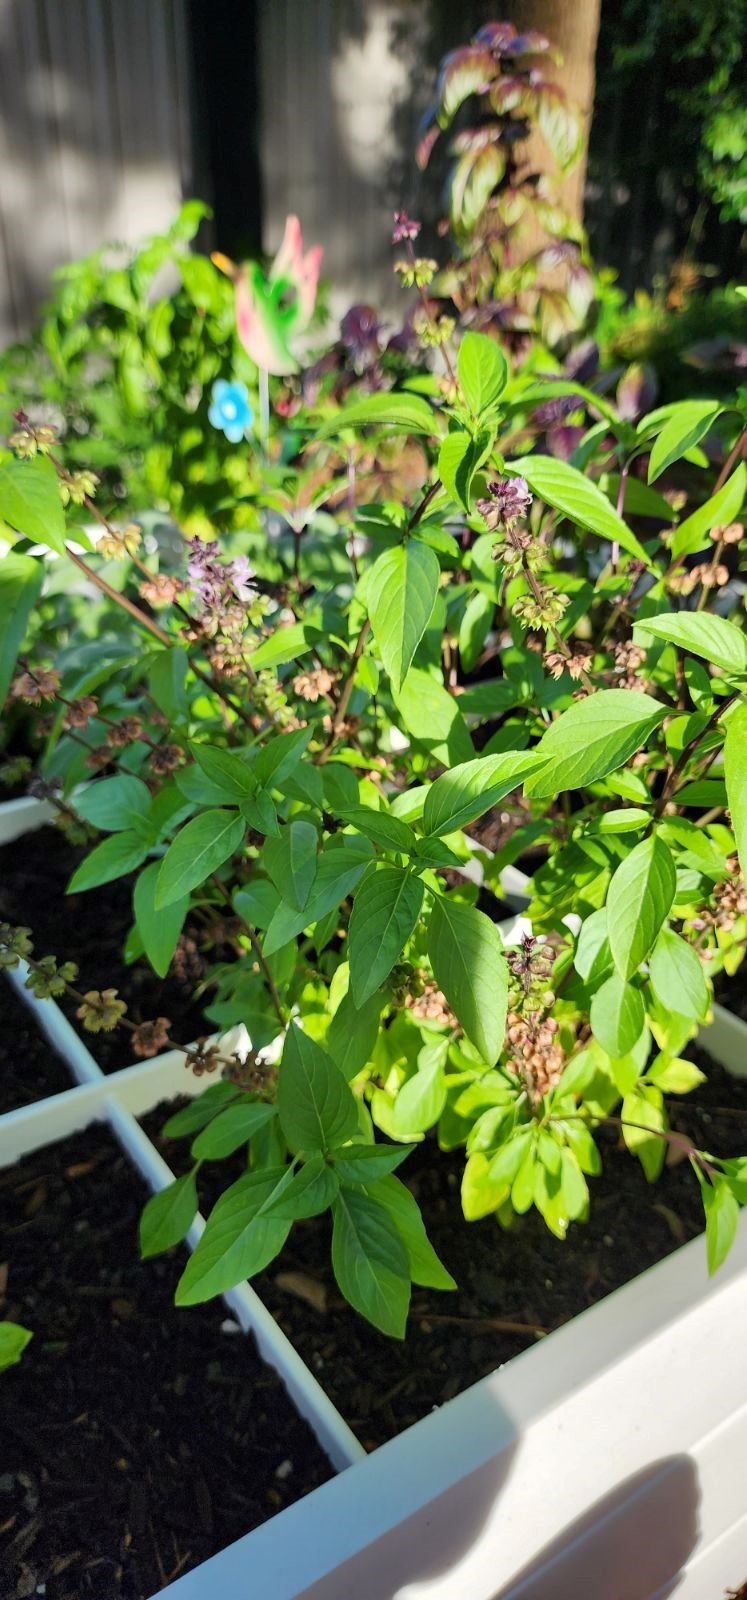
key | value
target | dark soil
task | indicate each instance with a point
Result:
(731, 993)
(525, 1277)
(137, 1440)
(91, 929)
(29, 1067)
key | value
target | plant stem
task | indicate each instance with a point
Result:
(120, 599)
(256, 947)
(423, 505)
(670, 785)
(347, 690)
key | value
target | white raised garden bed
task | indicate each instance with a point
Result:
(605, 1462)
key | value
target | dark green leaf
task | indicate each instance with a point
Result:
(198, 849)
(687, 423)
(168, 1216)
(230, 1129)
(364, 1163)
(385, 411)
(482, 370)
(113, 804)
(199, 1111)
(639, 899)
(401, 592)
(291, 861)
(111, 859)
(711, 636)
(311, 1191)
(341, 866)
(564, 487)
(432, 716)
(385, 910)
(317, 1109)
(370, 1262)
(21, 580)
(159, 930)
(353, 1032)
(466, 954)
(239, 1238)
(386, 831)
(425, 1267)
(593, 737)
(470, 789)
(227, 772)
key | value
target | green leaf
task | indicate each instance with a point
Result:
(474, 628)
(425, 1267)
(364, 1163)
(239, 1238)
(401, 593)
(198, 849)
(353, 1032)
(341, 866)
(593, 957)
(370, 1262)
(593, 737)
(277, 759)
(112, 804)
(617, 1016)
(285, 644)
(226, 771)
(673, 1075)
(310, 1192)
(30, 501)
(291, 861)
(482, 370)
(735, 772)
(712, 637)
(639, 899)
(721, 509)
(432, 716)
(384, 411)
(469, 790)
(458, 460)
(645, 1109)
(466, 954)
(168, 1216)
(677, 976)
(231, 1129)
(385, 910)
(317, 1109)
(386, 831)
(420, 1101)
(722, 1217)
(628, 819)
(111, 859)
(13, 1342)
(159, 930)
(686, 425)
(199, 1111)
(21, 580)
(566, 489)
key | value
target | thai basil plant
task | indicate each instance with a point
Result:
(296, 759)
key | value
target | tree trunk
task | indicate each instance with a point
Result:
(572, 26)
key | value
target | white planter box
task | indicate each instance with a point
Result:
(606, 1462)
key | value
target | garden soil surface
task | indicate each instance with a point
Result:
(137, 1440)
(513, 1287)
(90, 929)
(29, 1067)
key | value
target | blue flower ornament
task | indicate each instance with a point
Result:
(230, 409)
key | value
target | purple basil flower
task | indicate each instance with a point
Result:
(510, 499)
(404, 228)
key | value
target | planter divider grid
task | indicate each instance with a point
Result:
(611, 1452)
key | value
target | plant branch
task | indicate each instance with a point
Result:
(256, 947)
(670, 785)
(347, 689)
